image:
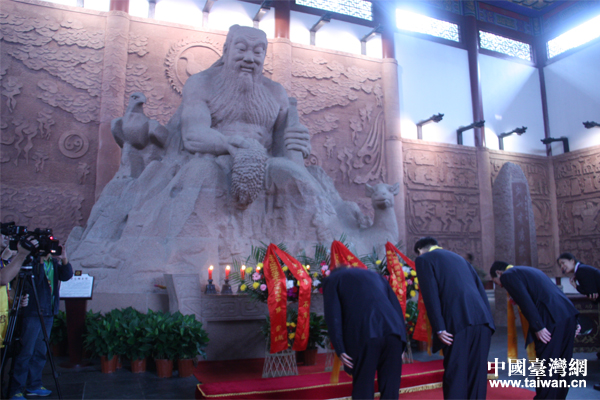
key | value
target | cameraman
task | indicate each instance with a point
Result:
(10, 264)
(29, 363)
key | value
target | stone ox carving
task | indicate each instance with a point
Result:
(225, 173)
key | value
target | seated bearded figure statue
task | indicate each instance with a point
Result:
(232, 109)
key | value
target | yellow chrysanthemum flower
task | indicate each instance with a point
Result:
(285, 268)
(255, 285)
(287, 324)
(293, 324)
(377, 262)
(407, 315)
(248, 270)
(259, 265)
(412, 293)
(413, 273)
(416, 280)
(417, 287)
(405, 274)
(243, 288)
(291, 335)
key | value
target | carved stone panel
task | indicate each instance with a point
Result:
(442, 197)
(51, 62)
(577, 176)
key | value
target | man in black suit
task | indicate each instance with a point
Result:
(366, 327)
(586, 279)
(460, 317)
(551, 315)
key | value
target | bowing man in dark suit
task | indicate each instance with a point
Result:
(586, 279)
(551, 315)
(460, 317)
(366, 327)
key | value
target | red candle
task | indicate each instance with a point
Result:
(227, 269)
(243, 272)
(210, 269)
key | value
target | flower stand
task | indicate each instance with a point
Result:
(279, 364)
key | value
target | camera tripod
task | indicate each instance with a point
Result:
(25, 276)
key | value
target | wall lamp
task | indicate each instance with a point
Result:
(501, 136)
(562, 139)
(590, 124)
(322, 21)
(264, 7)
(459, 131)
(434, 118)
(363, 42)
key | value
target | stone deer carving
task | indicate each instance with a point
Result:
(385, 225)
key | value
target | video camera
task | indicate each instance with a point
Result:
(46, 244)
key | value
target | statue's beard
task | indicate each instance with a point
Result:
(240, 97)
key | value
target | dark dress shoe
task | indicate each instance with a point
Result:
(597, 386)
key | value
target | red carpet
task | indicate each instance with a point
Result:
(241, 379)
(492, 394)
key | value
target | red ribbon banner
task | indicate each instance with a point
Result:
(397, 280)
(340, 255)
(277, 300)
(303, 323)
(420, 332)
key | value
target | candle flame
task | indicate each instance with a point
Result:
(211, 267)
(228, 268)
(307, 266)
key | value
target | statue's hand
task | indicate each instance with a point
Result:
(297, 138)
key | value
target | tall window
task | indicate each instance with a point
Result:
(355, 8)
(582, 34)
(430, 26)
(503, 45)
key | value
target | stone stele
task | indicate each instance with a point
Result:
(226, 173)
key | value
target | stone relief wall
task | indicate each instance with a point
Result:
(50, 71)
(577, 176)
(536, 170)
(442, 197)
(340, 100)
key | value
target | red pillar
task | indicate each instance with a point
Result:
(282, 19)
(119, 5)
(471, 36)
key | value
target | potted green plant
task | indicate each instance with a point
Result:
(193, 339)
(317, 333)
(101, 340)
(137, 342)
(163, 332)
(58, 335)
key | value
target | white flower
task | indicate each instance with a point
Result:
(316, 282)
(289, 284)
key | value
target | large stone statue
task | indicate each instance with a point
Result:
(232, 176)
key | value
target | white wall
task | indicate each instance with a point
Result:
(335, 35)
(573, 91)
(433, 78)
(511, 98)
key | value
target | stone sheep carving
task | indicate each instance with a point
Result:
(385, 225)
(142, 139)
